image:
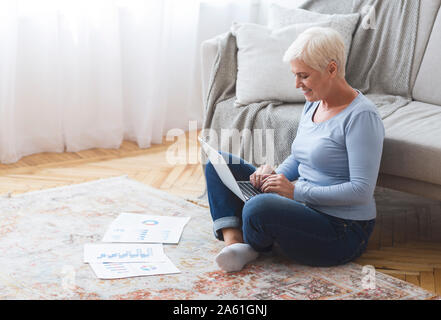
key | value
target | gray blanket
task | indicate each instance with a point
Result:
(223, 120)
(379, 65)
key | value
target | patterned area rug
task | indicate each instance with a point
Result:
(42, 235)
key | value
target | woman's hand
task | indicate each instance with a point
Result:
(262, 172)
(279, 184)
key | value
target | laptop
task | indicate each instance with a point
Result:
(243, 189)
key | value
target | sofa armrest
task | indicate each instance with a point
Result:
(208, 56)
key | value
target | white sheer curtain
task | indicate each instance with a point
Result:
(79, 74)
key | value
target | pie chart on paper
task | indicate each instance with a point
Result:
(150, 222)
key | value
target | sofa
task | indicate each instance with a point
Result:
(411, 160)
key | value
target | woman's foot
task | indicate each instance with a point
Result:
(235, 256)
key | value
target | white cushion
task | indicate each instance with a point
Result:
(262, 75)
(279, 17)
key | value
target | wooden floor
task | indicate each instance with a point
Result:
(406, 242)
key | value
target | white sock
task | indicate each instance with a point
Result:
(235, 256)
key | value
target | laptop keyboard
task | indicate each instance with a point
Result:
(248, 189)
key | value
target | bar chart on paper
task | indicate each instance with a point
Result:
(119, 252)
(122, 260)
(125, 255)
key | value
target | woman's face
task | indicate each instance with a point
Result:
(314, 84)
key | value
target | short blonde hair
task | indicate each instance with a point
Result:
(317, 47)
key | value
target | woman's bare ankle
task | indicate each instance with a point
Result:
(232, 235)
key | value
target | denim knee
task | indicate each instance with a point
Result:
(255, 216)
(258, 207)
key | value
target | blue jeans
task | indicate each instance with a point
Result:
(305, 235)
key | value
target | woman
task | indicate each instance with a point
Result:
(318, 205)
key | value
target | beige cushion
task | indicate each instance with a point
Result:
(412, 146)
(428, 82)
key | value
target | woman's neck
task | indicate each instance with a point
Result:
(340, 95)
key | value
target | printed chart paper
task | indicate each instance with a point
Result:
(122, 252)
(134, 269)
(141, 228)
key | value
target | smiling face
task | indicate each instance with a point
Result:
(314, 84)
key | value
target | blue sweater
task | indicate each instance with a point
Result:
(336, 162)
